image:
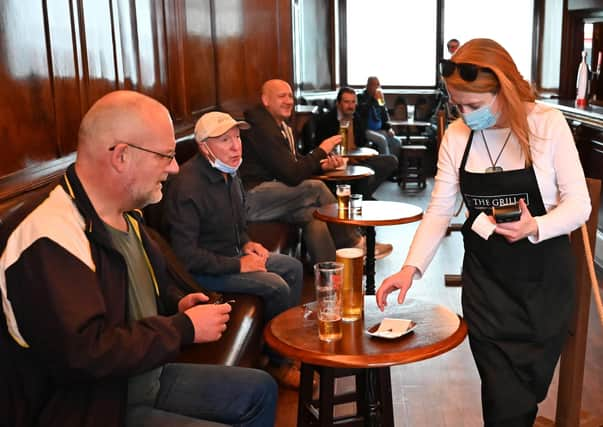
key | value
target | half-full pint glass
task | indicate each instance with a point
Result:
(328, 277)
(344, 125)
(352, 293)
(343, 192)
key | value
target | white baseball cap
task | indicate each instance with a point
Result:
(215, 124)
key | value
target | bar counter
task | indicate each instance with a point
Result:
(591, 115)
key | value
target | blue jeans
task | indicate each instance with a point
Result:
(384, 142)
(275, 201)
(280, 287)
(207, 395)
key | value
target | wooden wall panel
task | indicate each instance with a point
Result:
(66, 74)
(199, 60)
(140, 47)
(27, 127)
(262, 45)
(268, 44)
(284, 34)
(58, 57)
(231, 61)
(253, 44)
(96, 34)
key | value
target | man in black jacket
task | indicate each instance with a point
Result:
(279, 181)
(206, 221)
(328, 125)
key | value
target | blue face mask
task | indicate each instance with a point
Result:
(482, 118)
(220, 165)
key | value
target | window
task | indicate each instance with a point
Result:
(551, 44)
(394, 40)
(511, 25)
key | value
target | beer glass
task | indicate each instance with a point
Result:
(343, 131)
(328, 277)
(352, 294)
(379, 97)
(343, 191)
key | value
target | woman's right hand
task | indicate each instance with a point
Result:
(402, 280)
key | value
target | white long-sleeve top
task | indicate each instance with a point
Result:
(556, 163)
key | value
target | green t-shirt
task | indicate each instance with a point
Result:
(142, 388)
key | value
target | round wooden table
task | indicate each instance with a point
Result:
(294, 333)
(374, 213)
(350, 173)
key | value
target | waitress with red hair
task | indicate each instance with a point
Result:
(518, 276)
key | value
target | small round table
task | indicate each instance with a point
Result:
(294, 333)
(350, 173)
(374, 213)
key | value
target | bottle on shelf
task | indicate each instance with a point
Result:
(582, 82)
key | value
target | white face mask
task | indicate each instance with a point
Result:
(220, 165)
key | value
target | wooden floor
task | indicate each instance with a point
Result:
(445, 391)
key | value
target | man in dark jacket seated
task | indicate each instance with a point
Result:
(329, 124)
(279, 180)
(91, 317)
(206, 222)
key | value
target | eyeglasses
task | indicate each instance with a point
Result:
(169, 156)
(467, 71)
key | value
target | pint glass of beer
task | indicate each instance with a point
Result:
(352, 293)
(379, 97)
(343, 131)
(343, 192)
(328, 278)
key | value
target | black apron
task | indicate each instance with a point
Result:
(517, 297)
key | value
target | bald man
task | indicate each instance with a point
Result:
(92, 315)
(278, 180)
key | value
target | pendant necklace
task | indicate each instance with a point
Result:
(494, 168)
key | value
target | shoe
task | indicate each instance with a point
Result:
(286, 375)
(381, 249)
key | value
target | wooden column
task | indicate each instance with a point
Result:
(571, 369)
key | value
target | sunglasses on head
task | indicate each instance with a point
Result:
(467, 71)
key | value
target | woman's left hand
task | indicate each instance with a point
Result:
(517, 230)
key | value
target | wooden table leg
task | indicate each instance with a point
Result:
(305, 395)
(369, 268)
(379, 398)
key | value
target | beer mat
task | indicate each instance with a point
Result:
(391, 328)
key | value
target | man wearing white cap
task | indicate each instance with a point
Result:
(206, 222)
